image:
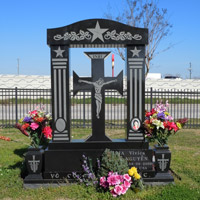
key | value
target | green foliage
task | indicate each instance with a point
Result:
(113, 162)
(176, 192)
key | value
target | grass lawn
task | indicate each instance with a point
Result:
(185, 148)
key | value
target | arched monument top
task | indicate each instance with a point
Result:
(97, 33)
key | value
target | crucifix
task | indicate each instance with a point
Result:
(163, 162)
(97, 85)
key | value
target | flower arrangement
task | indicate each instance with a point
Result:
(159, 126)
(115, 183)
(137, 183)
(36, 125)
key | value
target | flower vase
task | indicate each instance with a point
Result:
(34, 163)
(162, 158)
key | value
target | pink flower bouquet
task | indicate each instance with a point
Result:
(116, 184)
(36, 125)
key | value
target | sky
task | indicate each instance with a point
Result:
(24, 24)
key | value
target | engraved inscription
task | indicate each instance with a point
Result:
(138, 158)
(55, 175)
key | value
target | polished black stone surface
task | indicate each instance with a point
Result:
(97, 31)
(113, 144)
(160, 178)
(60, 87)
(135, 88)
(98, 84)
(62, 159)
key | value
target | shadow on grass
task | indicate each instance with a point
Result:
(21, 152)
(20, 165)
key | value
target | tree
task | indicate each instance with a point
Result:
(146, 14)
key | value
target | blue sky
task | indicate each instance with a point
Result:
(23, 25)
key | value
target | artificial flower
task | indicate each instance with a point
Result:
(25, 126)
(137, 176)
(161, 115)
(4, 138)
(113, 180)
(158, 123)
(47, 132)
(127, 184)
(39, 119)
(34, 126)
(27, 119)
(33, 113)
(127, 177)
(179, 125)
(103, 182)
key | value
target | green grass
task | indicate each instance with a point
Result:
(26, 101)
(108, 100)
(185, 162)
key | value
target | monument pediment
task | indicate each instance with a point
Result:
(97, 33)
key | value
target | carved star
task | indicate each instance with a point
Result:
(59, 52)
(135, 52)
(97, 32)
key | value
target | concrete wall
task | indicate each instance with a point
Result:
(44, 82)
(25, 81)
(177, 84)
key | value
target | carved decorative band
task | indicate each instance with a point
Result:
(82, 35)
(109, 35)
(113, 35)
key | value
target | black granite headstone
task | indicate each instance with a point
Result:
(62, 157)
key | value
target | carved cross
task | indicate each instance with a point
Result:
(163, 162)
(97, 84)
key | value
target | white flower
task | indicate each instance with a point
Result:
(158, 124)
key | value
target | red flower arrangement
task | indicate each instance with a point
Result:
(159, 126)
(36, 125)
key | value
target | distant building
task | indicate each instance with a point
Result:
(172, 77)
(154, 76)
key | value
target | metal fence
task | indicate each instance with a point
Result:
(15, 104)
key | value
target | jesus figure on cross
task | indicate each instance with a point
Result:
(98, 96)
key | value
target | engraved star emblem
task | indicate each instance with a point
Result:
(97, 32)
(135, 52)
(59, 52)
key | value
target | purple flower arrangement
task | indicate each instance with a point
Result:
(88, 177)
